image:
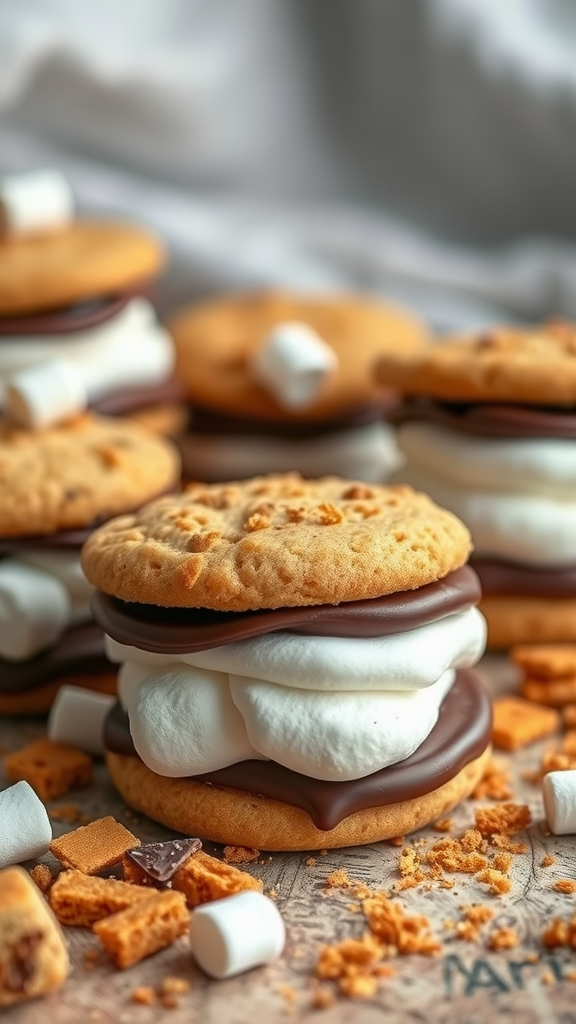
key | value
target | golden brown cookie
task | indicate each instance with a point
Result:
(535, 365)
(529, 620)
(39, 700)
(70, 476)
(239, 818)
(90, 259)
(276, 541)
(216, 340)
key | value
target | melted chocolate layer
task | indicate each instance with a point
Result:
(79, 317)
(185, 630)
(80, 649)
(524, 581)
(491, 420)
(461, 734)
(209, 421)
(121, 403)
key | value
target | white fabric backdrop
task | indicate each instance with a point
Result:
(424, 149)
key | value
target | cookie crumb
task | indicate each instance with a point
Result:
(503, 938)
(240, 854)
(506, 818)
(495, 783)
(444, 825)
(43, 877)
(144, 994)
(171, 983)
(547, 861)
(310, 862)
(498, 882)
(565, 885)
(322, 999)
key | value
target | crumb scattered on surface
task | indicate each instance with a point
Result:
(503, 938)
(444, 825)
(322, 999)
(144, 994)
(506, 818)
(495, 783)
(547, 861)
(240, 854)
(565, 885)
(310, 862)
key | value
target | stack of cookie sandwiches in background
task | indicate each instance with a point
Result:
(77, 328)
(56, 484)
(279, 382)
(488, 429)
(307, 641)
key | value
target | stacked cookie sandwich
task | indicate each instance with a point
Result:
(77, 328)
(55, 486)
(280, 382)
(295, 661)
(488, 429)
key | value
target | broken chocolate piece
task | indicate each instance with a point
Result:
(161, 860)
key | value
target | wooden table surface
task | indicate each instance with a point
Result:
(466, 983)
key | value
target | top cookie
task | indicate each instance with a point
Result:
(216, 340)
(276, 541)
(68, 477)
(92, 258)
(534, 365)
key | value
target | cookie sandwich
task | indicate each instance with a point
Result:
(57, 484)
(77, 327)
(279, 382)
(488, 429)
(295, 661)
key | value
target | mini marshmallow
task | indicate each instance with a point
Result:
(34, 610)
(559, 792)
(50, 391)
(233, 934)
(77, 717)
(293, 365)
(25, 829)
(35, 201)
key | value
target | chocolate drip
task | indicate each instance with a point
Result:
(79, 317)
(185, 630)
(524, 581)
(80, 649)
(460, 735)
(210, 421)
(491, 420)
(121, 403)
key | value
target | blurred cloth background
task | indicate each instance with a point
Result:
(421, 149)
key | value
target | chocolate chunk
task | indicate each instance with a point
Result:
(161, 860)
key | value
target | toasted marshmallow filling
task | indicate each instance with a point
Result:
(345, 710)
(42, 594)
(366, 452)
(129, 350)
(517, 496)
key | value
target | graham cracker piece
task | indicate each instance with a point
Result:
(203, 879)
(94, 847)
(545, 661)
(42, 876)
(33, 955)
(80, 900)
(240, 854)
(518, 722)
(507, 818)
(552, 692)
(143, 929)
(50, 768)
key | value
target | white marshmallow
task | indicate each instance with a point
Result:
(403, 661)
(77, 717)
(66, 567)
(367, 452)
(293, 365)
(337, 736)
(130, 350)
(523, 528)
(25, 829)
(545, 466)
(185, 722)
(34, 610)
(559, 793)
(46, 393)
(35, 201)
(233, 934)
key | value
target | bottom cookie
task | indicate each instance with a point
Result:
(167, 418)
(239, 818)
(39, 700)
(522, 620)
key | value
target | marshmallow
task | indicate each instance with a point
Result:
(559, 792)
(52, 390)
(129, 350)
(77, 717)
(35, 201)
(367, 452)
(294, 364)
(543, 466)
(34, 610)
(25, 829)
(233, 934)
(523, 528)
(184, 722)
(66, 567)
(411, 660)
